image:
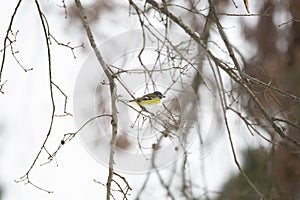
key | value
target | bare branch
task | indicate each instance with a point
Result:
(69, 136)
(65, 104)
(246, 5)
(124, 191)
(113, 93)
(28, 181)
(267, 85)
(26, 176)
(67, 45)
(224, 106)
(64, 6)
(235, 76)
(7, 38)
(289, 21)
(1, 86)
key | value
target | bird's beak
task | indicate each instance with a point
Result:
(163, 96)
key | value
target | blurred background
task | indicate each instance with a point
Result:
(267, 44)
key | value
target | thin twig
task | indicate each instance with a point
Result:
(67, 45)
(64, 6)
(26, 176)
(221, 92)
(267, 85)
(235, 76)
(65, 104)
(7, 38)
(69, 136)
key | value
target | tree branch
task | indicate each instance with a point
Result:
(113, 93)
(5, 41)
(237, 77)
(26, 176)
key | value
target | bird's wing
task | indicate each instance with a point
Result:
(143, 98)
(146, 97)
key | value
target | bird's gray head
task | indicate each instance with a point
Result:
(159, 94)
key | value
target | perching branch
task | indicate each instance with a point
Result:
(237, 76)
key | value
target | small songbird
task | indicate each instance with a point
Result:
(149, 99)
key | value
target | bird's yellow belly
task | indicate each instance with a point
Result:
(149, 102)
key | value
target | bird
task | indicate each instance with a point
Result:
(149, 99)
